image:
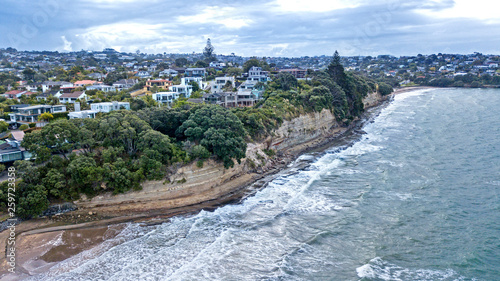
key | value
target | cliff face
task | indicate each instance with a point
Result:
(190, 185)
(372, 99)
(303, 129)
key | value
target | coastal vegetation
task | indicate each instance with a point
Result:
(117, 151)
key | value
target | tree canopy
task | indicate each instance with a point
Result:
(219, 131)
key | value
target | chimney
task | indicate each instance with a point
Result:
(77, 106)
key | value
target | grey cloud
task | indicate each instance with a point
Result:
(372, 28)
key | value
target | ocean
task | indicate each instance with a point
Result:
(415, 198)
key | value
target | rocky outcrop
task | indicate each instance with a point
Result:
(372, 99)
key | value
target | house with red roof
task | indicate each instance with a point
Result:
(83, 83)
(16, 94)
(160, 84)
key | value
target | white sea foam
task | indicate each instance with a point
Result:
(378, 269)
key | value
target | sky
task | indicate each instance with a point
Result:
(287, 28)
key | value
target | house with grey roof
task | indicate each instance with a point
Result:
(72, 97)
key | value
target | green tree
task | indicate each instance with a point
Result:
(384, 89)
(118, 177)
(46, 116)
(336, 71)
(85, 174)
(286, 81)
(156, 141)
(121, 129)
(180, 62)
(218, 130)
(59, 137)
(55, 182)
(196, 86)
(3, 126)
(250, 63)
(208, 51)
(29, 73)
(234, 71)
(33, 200)
(201, 64)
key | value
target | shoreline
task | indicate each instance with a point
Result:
(44, 229)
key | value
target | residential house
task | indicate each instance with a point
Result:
(143, 74)
(53, 93)
(165, 97)
(230, 99)
(189, 80)
(72, 97)
(183, 90)
(220, 82)
(124, 84)
(97, 76)
(67, 89)
(32, 87)
(217, 65)
(48, 85)
(160, 84)
(30, 114)
(84, 83)
(196, 72)
(296, 72)
(28, 94)
(82, 114)
(109, 106)
(15, 94)
(15, 107)
(180, 70)
(11, 150)
(102, 87)
(257, 74)
(168, 73)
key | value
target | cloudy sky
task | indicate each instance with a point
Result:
(254, 28)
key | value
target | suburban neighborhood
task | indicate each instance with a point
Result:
(36, 87)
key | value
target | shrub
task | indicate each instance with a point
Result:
(269, 152)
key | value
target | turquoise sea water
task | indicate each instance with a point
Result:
(417, 198)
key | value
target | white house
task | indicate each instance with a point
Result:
(166, 97)
(124, 84)
(189, 80)
(82, 114)
(102, 87)
(72, 97)
(257, 74)
(48, 85)
(30, 114)
(44, 96)
(168, 72)
(109, 106)
(184, 90)
(143, 74)
(218, 65)
(195, 72)
(219, 83)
